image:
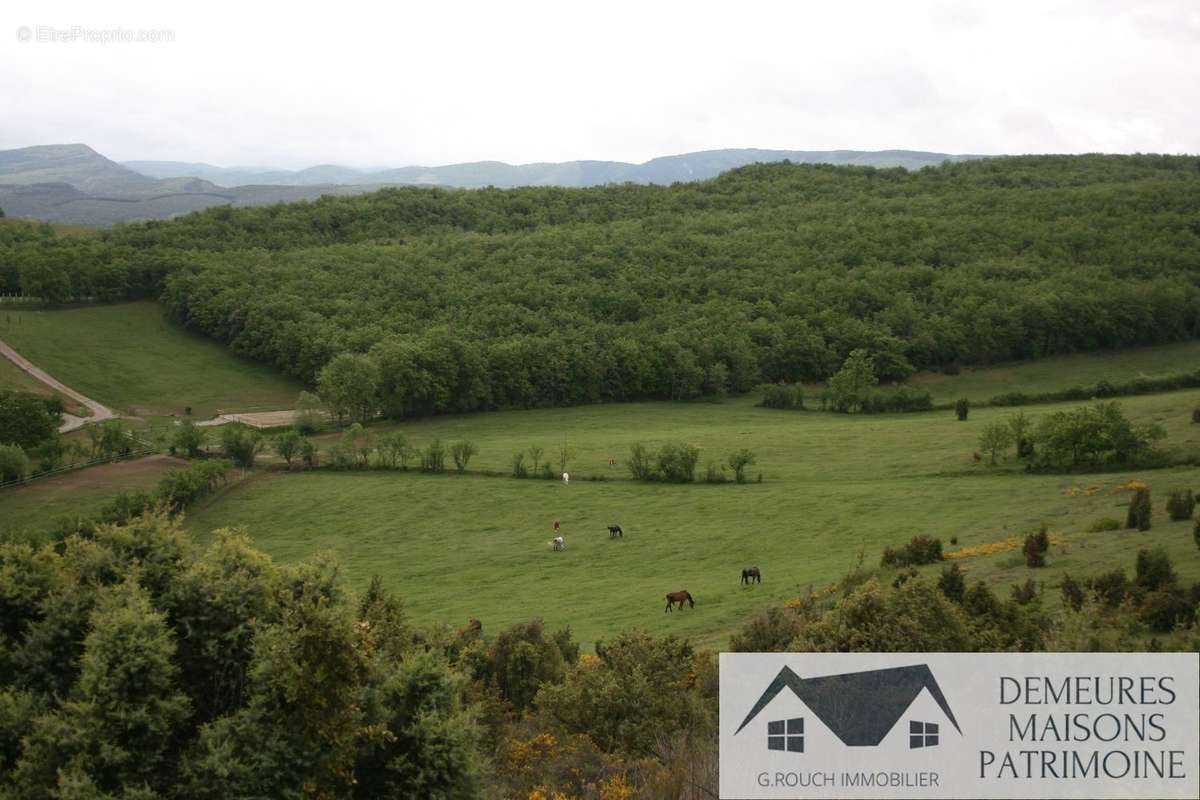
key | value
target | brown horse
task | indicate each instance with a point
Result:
(679, 597)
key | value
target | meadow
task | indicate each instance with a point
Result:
(132, 360)
(79, 494)
(1058, 373)
(834, 489)
(14, 378)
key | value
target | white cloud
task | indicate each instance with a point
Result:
(253, 83)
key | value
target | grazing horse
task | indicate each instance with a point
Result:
(558, 543)
(751, 575)
(614, 531)
(679, 597)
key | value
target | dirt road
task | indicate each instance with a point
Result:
(70, 422)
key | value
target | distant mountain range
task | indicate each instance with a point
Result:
(73, 183)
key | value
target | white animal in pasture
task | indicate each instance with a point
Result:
(566, 478)
(558, 543)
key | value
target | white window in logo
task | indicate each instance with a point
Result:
(922, 734)
(786, 734)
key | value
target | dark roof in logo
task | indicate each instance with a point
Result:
(859, 707)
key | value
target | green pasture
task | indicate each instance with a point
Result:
(834, 486)
(130, 358)
(1062, 372)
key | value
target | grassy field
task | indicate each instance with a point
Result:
(833, 486)
(77, 494)
(129, 358)
(13, 377)
(1062, 372)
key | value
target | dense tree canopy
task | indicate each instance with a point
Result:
(545, 296)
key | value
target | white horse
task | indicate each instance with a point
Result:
(558, 543)
(566, 478)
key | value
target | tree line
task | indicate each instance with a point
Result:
(771, 273)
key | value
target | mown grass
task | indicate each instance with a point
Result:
(833, 487)
(1062, 372)
(130, 358)
(15, 378)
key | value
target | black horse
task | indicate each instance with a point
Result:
(751, 575)
(614, 531)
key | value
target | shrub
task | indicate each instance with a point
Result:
(241, 444)
(1072, 592)
(1196, 415)
(287, 445)
(181, 487)
(1139, 510)
(995, 439)
(920, 550)
(1105, 524)
(462, 452)
(1112, 587)
(1181, 505)
(188, 438)
(676, 463)
(1154, 569)
(715, 473)
(952, 583)
(519, 470)
(1023, 593)
(14, 464)
(124, 507)
(769, 631)
(780, 395)
(1094, 437)
(433, 459)
(738, 462)
(1042, 537)
(308, 453)
(1163, 609)
(1034, 555)
(639, 463)
(310, 413)
(394, 451)
(961, 408)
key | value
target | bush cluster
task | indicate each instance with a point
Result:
(1138, 516)
(1035, 548)
(920, 550)
(1181, 504)
(782, 395)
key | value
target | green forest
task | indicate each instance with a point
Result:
(486, 299)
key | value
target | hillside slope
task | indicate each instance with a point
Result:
(75, 184)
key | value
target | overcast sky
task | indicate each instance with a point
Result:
(435, 82)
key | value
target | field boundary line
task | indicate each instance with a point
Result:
(145, 451)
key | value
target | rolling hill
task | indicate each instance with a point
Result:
(72, 183)
(665, 170)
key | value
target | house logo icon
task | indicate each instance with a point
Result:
(859, 708)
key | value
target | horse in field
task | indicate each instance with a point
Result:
(557, 543)
(680, 597)
(751, 575)
(614, 531)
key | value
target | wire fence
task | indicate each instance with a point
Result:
(145, 449)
